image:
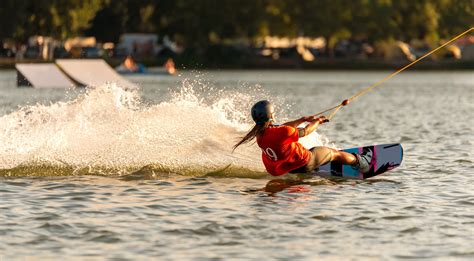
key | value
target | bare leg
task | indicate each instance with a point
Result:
(324, 155)
(344, 158)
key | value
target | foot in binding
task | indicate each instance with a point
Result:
(364, 161)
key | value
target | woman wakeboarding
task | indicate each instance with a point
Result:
(281, 151)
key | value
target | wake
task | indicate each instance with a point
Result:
(110, 131)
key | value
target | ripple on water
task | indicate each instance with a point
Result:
(325, 218)
(55, 228)
(102, 236)
(42, 240)
(411, 230)
(206, 230)
(47, 216)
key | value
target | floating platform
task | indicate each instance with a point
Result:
(92, 72)
(42, 75)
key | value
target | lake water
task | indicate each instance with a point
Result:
(106, 173)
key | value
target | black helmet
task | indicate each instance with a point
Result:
(262, 112)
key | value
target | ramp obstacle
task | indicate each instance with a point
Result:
(67, 73)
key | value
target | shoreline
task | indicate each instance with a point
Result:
(265, 64)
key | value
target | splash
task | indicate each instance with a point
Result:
(109, 130)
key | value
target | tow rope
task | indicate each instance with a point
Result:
(345, 102)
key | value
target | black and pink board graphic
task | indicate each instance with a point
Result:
(385, 157)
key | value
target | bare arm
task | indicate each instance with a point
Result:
(297, 122)
(312, 126)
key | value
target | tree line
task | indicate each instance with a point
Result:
(202, 23)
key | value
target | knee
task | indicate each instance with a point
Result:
(336, 155)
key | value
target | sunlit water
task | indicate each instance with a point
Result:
(114, 174)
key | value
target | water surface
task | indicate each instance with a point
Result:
(115, 174)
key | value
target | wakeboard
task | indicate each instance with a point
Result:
(385, 157)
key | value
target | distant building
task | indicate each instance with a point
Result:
(137, 44)
(80, 42)
(41, 47)
(305, 47)
(82, 47)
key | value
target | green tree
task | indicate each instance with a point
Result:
(200, 24)
(326, 18)
(126, 16)
(57, 18)
(456, 16)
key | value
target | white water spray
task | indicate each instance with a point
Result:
(109, 127)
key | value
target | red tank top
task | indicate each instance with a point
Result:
(281, 151)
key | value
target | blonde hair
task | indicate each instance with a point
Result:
(256, 131)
